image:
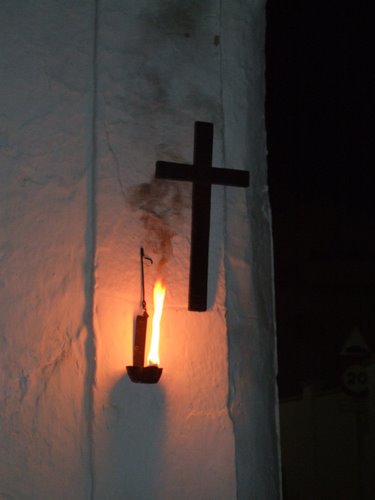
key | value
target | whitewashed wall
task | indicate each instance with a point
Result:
(92, 94)
(44, 116)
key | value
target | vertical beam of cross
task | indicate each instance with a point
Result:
(203, 175)
(200, 220)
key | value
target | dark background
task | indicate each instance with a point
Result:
(319, 112)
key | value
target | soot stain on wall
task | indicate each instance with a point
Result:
(178, 17)
(161, 206)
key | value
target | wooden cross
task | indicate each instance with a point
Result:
(202, 174)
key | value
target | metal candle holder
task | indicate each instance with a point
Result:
(137, 372)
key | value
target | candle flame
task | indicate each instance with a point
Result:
(159, 294)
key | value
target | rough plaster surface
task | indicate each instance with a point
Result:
(248, 255)
(93, 95)
(45, 75)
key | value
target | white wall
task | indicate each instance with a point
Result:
(45, 84)
(92, 96)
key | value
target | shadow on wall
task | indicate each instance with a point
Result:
(135, 438)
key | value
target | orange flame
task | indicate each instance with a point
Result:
(159, 294)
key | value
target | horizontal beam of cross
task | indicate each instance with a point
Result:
(201, 175)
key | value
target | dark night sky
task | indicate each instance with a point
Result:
(320, 103)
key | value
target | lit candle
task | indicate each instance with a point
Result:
(159, 294)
